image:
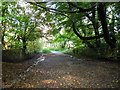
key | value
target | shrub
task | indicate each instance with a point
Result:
(67, 51)
(34, 46)
(55, 49)
(45, 51)
(15, 55)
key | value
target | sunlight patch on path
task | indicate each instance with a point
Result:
(56, 52)
(60, 53)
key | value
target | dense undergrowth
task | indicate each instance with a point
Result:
(100, 53)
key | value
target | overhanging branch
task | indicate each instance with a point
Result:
(46, 8)
(71, 3)
(73, 23)
(84, 38)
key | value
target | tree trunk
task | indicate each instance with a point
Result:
(83, 38)
(102, 18)
(24, 45)
(89, 44)
(4, 26)
(24, 39)
(95, 25)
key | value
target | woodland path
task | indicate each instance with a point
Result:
(61, 71)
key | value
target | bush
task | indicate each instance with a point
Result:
(54, 49)
(87, 52)
(15, 55)
(67, 51)
(34, 46)
(103, 52)
(45, 51)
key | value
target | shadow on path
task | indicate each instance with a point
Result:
(59, 70)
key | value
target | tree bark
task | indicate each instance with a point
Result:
(84, 38)
(4, 26)
(102, 17)
(24, 45)
(24, 39)
(95, 25)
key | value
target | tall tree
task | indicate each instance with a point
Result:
(21, 25)
(78, 10)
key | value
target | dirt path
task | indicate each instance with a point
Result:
(65, 71)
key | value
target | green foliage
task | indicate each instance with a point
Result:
(15, 45)
(23, 26)
(86, 52)
(20, 24)
(34, 46)
(45, 51)
(103, 52)
(67, 51)
(54, 49)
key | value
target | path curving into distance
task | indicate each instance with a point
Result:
(59, 70)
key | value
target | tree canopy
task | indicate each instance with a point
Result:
(70, 24)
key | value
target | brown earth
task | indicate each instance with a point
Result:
(62, 71)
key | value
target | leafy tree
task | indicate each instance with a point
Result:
(21, 25)
(85, 24)
(91, 22)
